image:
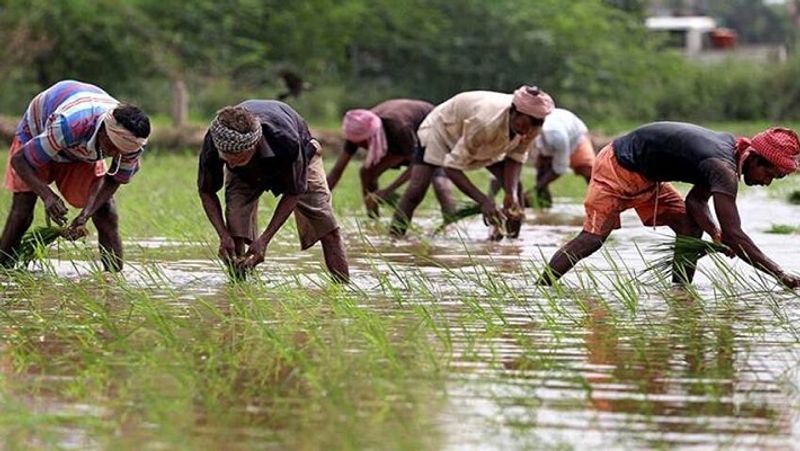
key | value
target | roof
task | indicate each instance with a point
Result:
(702, 23)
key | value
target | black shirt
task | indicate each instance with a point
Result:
(280, 166)
(677, 151)
(401, 119)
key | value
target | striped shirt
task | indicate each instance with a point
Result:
(61, 125)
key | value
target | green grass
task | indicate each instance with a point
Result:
(783, 229)
(794, 198)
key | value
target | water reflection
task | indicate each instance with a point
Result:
(528, 370)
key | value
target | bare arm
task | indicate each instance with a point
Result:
(545, 175)
(213, 209)
(697, 207)
(465, 185)
(285, 207)
(102, 193)
(338, 169)
(54, 206)
(491, 215)
(734, 237)
(512, 170)
(397, 183)
(258, 248)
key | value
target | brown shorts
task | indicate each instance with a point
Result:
(313, 215)
(614, 189)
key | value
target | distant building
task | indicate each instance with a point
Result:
(690, 33)
(699, 38)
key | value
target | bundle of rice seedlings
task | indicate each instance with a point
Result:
(235, 272)
(34, 243)
(683, 251)
(465, 210)
(372, 202)
(392, 200)
(510, 227)
(794, 197)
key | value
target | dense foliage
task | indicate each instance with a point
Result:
(594, 56)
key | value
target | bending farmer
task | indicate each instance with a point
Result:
(477, 129)
(389, 133)
(562, 144)
(258, 146)
(63, 137)
(634, 171)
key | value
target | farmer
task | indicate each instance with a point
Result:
(63, 137)
(562, 144)
(259, 146)
(634, 171)
(389, 133)
(477, 129)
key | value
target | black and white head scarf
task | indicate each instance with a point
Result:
(227, 140)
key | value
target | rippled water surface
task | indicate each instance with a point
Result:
(613, 360)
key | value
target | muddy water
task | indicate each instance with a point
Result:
(709, 373)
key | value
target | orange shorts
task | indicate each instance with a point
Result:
(614, 189)
(583, 155)
(75, 181)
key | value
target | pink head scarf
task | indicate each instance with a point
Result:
(533, 102)
(364, 125)
(779, 146)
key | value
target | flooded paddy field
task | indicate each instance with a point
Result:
(440, 342)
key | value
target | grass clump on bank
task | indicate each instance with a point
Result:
(783, 229)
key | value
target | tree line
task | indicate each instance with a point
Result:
(594, 56)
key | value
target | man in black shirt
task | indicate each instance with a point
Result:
(258, 146)
(634, 171)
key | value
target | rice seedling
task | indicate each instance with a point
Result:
(34, 243)
(431, 342)
(682, 253)
(794, 197)
(463, 211)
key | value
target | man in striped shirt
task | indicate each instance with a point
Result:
(63, 137)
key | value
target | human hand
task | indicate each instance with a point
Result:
(716, 236)
(55, 209)
(491, 215)
(255, 254)
(227, 248)
(76, 230)
(372, 203)
(789, 280)
(512, 208)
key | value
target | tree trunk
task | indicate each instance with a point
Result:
(180, 102)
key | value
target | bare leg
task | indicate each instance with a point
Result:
(494, 187)
(106, 221)
(683, 269)
(582, 246)
(421, 175)
(512, 226)
(443, 188)
(335, 256)
(18, 221)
